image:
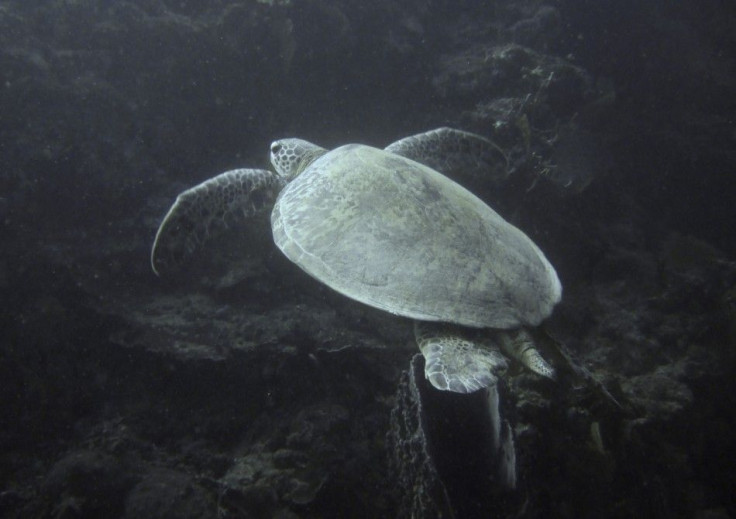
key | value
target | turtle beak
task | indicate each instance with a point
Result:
(276, 148)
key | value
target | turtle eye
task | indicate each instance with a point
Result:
(276, 149)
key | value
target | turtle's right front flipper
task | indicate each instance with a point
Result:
(460, 155)
(205, 210)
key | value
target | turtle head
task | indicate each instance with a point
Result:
(292, 156)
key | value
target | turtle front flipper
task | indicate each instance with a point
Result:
(456, 362)
(519, 345)
(205, 210)
(455, 153)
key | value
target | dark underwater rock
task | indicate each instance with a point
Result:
(87, 483)
(167, 494)
(443, 453)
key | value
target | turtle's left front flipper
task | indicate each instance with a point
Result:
(458, 154)
(206, 209)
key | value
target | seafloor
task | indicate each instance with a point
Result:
(242, 388)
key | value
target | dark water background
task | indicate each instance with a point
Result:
(242, 389)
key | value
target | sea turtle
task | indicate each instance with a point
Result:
(386, 229)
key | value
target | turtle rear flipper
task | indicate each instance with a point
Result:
(519, 345)
(455, 153)
(454, 361)
(206, 209)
